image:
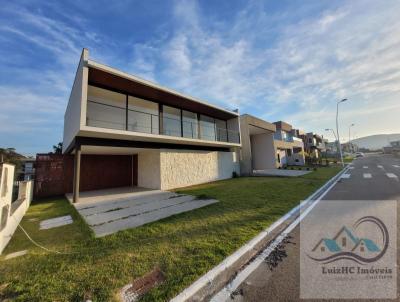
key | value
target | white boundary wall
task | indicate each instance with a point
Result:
(10, 217)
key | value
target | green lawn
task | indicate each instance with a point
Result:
(184, 246)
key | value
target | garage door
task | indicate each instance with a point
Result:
(107, 171)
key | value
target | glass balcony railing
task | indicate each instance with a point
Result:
(114, 117)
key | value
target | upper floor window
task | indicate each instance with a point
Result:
(106, 109)
(207, 128)
(142, 116)
(222, 133)
(172, 121)
(190, 124)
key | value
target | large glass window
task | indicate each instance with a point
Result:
(207, 128)
(142, 116)
(171, 121)
(190, 124)
(106, 108)
(222, 134)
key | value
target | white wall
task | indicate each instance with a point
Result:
(149, 175)
(181, 168)
(12, 219)
(75, 114)
(263, 151)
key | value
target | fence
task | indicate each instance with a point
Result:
(12, 212)
(54, 174)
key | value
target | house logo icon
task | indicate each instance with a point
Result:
(347, 245)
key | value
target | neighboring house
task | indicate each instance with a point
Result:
(331, 148)
(258, 149)
(126, 131)
(349, 147)
(314, 144)
(27, 169)
(394, 148)
(289, 149)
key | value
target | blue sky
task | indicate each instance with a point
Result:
(279, 60)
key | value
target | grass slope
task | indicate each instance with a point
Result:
(184, 246)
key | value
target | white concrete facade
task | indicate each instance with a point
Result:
(179, 140)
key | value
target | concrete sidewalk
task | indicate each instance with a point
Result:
(280, 172)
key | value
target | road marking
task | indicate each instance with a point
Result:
(396, 166)
(351, 168)
(345, 176)
(367, 175)
(365, 167)
(380, 166)
(391, 175)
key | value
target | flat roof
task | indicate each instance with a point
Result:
(111, 78)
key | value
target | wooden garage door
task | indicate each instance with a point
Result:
(107, 171)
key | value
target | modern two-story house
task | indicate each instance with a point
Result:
(314, 144)
(289, 149)
(268, 145)
(126, 131)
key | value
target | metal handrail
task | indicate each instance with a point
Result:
(220, 134)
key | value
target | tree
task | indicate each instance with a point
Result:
(58, 148)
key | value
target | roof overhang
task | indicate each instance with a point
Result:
(113, 79)
(256, 125)
(283, 126)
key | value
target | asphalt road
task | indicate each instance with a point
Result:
(375, 177)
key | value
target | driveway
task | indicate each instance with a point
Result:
(370, 178)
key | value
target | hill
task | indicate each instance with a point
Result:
(376, 142)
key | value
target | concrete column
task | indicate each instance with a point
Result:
(77, 173)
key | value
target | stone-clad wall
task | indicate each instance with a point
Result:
(181, 168)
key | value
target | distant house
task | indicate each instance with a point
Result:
(394, 148)
(27, 169)
(289, 148)
(314, 144)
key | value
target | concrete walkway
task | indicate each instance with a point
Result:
(280, 172)
(109, 211)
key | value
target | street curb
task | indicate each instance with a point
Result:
(215, 279)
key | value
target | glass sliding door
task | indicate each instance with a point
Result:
(190, 124)
(172, 121)
(142, 116)
(222, 134)
(207, 128)
(106, 109)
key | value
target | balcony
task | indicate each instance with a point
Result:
(137, 115)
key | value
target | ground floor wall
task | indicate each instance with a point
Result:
(262, 151)
(167, 169)
(180, 168)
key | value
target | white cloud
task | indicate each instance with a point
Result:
(350, 51)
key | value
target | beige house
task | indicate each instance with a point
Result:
(258, 151)
(289, 149)
(314, 144)
(126, 131)
(268, 145)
